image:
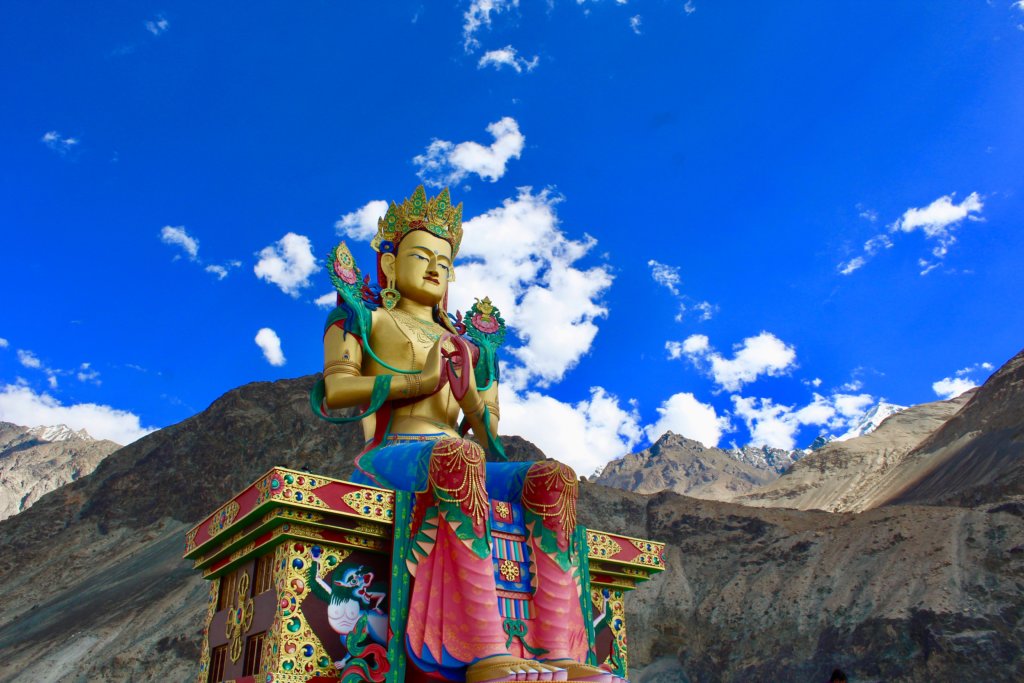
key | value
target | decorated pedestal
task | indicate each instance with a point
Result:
(300, 570)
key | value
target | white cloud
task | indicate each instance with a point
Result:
(58, 143)
(851, 266)
(764, 354)
(939, 217)
(361, 224)
(270, 344)
(222, 271)
(29, 359)
(939, 221)
(288, 263)
(86, 373)
(22, 406)
(479, 14)
(634, 23)
(665, 275)
(684, 415)
(447, 163)
(675, 349)
(177, 236)
(157, 25)
(584, 435)
(689, 7)
(518, 255)
(775, 425)
(4, 343)
(668, 277)
(507, 56)
(328, 300)
(951, 387)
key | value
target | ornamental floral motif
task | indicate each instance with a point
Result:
(602, 545)
(223, 519)
(502, 509)
(509, 571)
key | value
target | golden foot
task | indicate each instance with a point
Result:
(582, 672)
(509, 668)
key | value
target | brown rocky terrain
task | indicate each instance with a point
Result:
(35, 461)
(94, 588)
(675, 463)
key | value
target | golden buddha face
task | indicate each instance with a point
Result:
(422, 268)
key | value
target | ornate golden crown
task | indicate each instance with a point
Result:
(436, 215)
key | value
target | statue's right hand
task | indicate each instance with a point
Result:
(430, 378)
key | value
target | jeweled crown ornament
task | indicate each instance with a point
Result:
(435, 215)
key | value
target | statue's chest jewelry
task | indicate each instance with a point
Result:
(421, 333)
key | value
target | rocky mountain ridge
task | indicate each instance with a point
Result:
(37, 460)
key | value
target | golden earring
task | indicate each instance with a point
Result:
(389, 296)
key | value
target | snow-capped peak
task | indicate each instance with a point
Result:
(59, 433)
(871, 419)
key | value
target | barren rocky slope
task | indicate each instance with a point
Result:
(94, 588)
(675, 463)
(978, 455)
(35, 461)
(859, 473)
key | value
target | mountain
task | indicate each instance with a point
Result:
(776, 460)
(871, 420)
(675, 463)
(857, 473)
(977, 456)
(34, 461)
(94, 587)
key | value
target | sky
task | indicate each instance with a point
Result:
(744, 223)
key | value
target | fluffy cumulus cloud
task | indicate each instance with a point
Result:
(270, 344)
(447, 163)
(684, 415)
(584, 435)
(951, 387)
(177, 236)
(508, 57)
(23, 406)
(60, 144)
(518, 255)
(288, 263)
(478, 15)
(962, 380)
(361, 224)
(764, 354)
(776, 425)
(938, 222)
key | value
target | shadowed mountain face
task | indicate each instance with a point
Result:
(94, 588)
(977, 456)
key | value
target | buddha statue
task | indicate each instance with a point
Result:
(393, 350)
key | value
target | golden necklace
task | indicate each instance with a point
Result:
(423, 331)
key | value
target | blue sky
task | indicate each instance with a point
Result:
(742, 223)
